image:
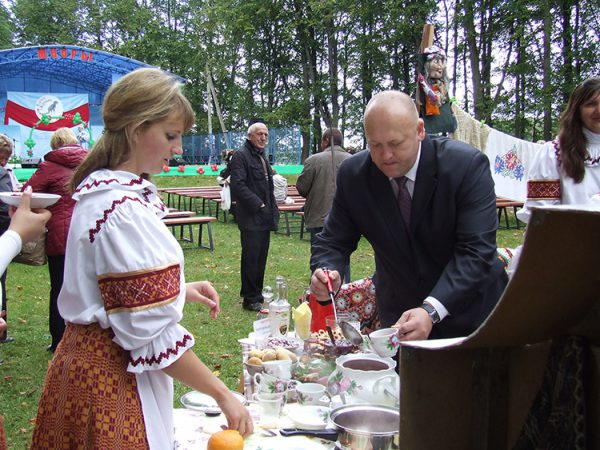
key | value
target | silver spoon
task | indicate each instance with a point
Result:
(351, 333)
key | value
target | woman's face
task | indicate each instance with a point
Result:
(156, 144)
(590, 114)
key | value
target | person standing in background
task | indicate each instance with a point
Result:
(317, 183)
(256, 211)
(8, 183)
(52, 177)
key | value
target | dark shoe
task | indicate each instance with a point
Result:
(257, 306)
(6, 340)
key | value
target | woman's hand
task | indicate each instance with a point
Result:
(204, 292)
(28, 224)
(238, 417)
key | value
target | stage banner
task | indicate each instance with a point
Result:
(27, 108)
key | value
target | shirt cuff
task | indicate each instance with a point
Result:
(439, 308)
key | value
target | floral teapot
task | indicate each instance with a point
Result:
(365, 378)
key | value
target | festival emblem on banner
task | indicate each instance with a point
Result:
(509, 165)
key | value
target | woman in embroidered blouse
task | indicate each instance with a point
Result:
(109, 384)
(567, 170)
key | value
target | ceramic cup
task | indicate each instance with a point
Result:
(312, 394)
(270, 384)
(385, 342)
(279, 368)
(270, 405)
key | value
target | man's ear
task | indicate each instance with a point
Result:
(420, 130)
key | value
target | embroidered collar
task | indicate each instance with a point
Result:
(105, 179)
(593, 148)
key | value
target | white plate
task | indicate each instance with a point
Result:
(198, 401)
(310, 417)
(38, 199)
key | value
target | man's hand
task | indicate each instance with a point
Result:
(204, 292)
(318, 283)
(415, 324)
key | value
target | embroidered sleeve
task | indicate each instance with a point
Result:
(141, 283)
(543, 182)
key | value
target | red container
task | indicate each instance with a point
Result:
(319, 312)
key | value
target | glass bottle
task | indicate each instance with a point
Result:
(279, 312)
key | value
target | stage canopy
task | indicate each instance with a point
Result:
(65, 73)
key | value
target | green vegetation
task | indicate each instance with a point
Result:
(22, 374)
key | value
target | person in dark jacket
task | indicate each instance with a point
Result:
(52, 177)
(256, 211)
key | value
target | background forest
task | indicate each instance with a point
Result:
(316, 63)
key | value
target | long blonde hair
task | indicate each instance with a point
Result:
(139, 99)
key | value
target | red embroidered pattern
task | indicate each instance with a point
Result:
(139, 290)
(543, 189)
(99, 222)
(97, 183)
(162, 355)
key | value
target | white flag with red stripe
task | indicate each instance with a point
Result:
(28, 108)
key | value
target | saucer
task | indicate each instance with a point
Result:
(198, 401)
(310, 417)
(38, 200)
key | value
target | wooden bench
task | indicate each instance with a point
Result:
(502, 204)
(191, 221)
(286, 210)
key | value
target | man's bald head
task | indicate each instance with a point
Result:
(395, 102)
(393, 131)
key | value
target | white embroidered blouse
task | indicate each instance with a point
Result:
(548, 185)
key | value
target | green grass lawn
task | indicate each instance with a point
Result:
(26, 359)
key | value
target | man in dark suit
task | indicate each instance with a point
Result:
(256, 211)
(428, 208)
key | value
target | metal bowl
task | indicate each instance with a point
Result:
(367, 427)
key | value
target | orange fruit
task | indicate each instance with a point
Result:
(226, 440)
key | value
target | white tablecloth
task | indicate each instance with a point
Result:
(193, 429)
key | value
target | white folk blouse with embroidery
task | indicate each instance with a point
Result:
(548, 185)
(124, 270)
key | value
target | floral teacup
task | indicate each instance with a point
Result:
(385, 342)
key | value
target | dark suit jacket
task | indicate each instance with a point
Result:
(449, 251)
(250, 189)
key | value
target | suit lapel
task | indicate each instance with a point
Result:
(426, 182)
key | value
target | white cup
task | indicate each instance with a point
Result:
(279, 368)
(270, 384)
(312, 394)
(270, 405)
(385, 342)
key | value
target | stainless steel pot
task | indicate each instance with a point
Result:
(360, 427)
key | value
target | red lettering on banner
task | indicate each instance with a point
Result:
(84, 56)
(91, 54)
(73, 53)
(63, 52)
(42, 53)
(54, 53)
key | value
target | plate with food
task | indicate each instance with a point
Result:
(198, 401)
(38, 199)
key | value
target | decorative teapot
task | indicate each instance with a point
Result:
(365, 378)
